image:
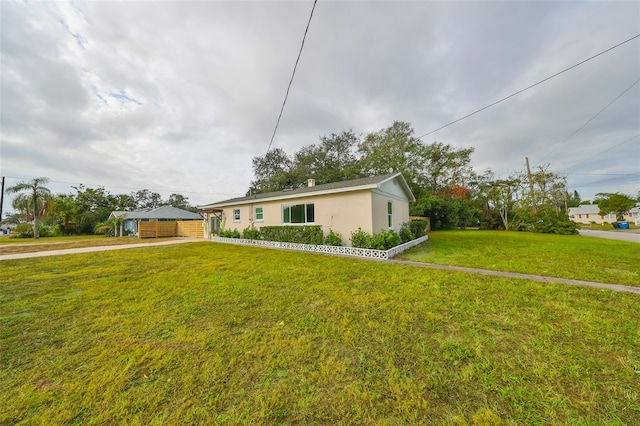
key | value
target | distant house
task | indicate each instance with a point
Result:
(633, 215)
(373, 204)
(163, 213)
(589, 213)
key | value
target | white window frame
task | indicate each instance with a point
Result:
(390, 214)
(236, 215)
(255, 211)
(306, 219)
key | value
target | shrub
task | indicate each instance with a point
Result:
(45, 231)
(301, 234)
(333, 239)
(360, 239)
(418, 227)
(250, 234)
(24, 230)
(228, 233)
(406, 234)
(548, 222)
(384, 240)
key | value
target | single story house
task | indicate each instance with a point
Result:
(589, 213)
(163, 213)
(372, 203)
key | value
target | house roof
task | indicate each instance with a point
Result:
(327, 188)
(162, 212)
(594, 209)
(585, 209)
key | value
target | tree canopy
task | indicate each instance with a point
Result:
(441, 177)
(616, 203)
(79, 212)
(31, 194)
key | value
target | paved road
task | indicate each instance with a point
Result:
(95, 249)
(629, 235)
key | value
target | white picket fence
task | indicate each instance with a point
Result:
(345, 251)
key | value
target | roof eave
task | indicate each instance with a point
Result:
(290, 196)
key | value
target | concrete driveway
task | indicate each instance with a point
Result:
(632, 235)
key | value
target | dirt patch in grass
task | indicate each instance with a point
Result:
(61, 245)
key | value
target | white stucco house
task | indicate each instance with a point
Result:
(373, 204)
(589, 213)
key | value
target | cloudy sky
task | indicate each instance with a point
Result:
(178, 96)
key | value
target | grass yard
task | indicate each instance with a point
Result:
(206, 333)
(565, 256)
(61, 243)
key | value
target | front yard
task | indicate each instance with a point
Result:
(207, 333)
(565, 256)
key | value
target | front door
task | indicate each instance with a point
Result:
(215, 225)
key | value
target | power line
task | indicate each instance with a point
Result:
(630, 176)
(602, 152)
(529, 87)
(292, 75)
(589, 121)
(596, 174)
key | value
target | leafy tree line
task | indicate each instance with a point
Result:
(447, 188)
(80, 212)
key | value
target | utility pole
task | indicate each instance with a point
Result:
(2, 199)
(533, 200)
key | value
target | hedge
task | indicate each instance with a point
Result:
(302, 234)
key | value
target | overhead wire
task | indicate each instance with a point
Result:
(602, 152)
(623, 178)
(530, 86)
(588, 121)
(292, 75)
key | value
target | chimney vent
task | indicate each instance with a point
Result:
(311, 182)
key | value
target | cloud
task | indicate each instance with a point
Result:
(182, 95)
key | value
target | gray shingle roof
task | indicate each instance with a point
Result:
(354, 183)
(162, 212)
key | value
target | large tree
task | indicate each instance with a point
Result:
(272, 172)
(33, 192)
(393, 150)
(179, 201)
(614, 203)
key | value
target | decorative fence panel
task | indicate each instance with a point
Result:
(156, 229)
(170, 228)
(345, 251)
(190, 228)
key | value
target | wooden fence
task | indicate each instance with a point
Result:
(160, 229)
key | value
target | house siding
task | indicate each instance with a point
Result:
(341, 209)
(330, 213)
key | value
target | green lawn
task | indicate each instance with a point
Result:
(565, 256)
(206, 333)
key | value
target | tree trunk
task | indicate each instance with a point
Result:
(36, 225)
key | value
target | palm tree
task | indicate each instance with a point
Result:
(35, 193)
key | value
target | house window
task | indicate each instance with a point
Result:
(259, 214)
(236, 215)
(587, 215)
(389, 214)
(298, 213)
